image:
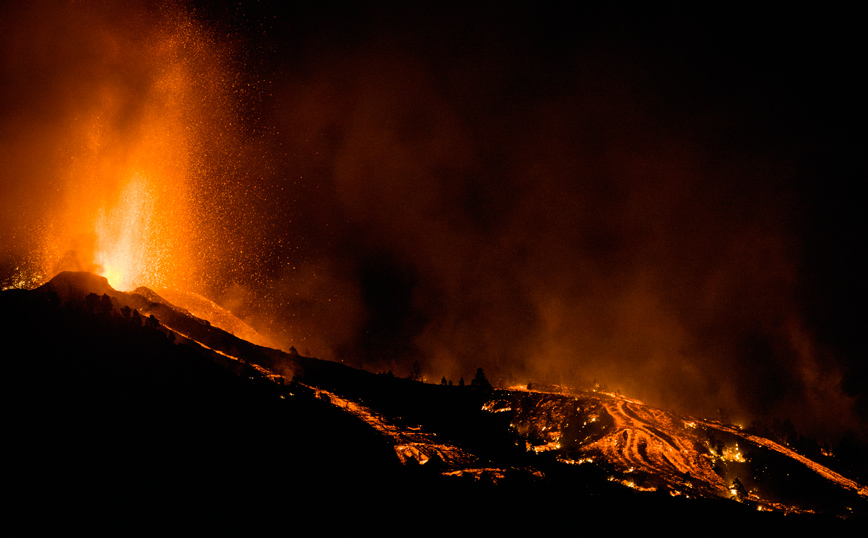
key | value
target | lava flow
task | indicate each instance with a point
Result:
(638, 441)
(651, 449)
(409, 444)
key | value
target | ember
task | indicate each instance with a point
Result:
(134, 143)
(551, 196)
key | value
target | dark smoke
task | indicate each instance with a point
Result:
(566, 203)
(559, 195)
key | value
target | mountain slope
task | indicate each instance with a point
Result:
(171, 406)
(652, 449)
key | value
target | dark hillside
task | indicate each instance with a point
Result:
(110, 413)
(107, 411)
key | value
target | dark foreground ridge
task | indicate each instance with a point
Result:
(122, 405)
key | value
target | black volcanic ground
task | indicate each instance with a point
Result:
(113, 414)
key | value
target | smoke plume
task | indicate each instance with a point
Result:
(549, 196)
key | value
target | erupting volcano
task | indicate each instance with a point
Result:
(640, 226)
(135, 115)
(441, 436)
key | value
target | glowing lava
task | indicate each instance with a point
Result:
(142, 121)
(647, 448)
(128, 240)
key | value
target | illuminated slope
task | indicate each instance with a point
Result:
(196, 318)
(473, 432)
(651, 449)
(204, 308)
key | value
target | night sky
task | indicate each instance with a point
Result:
(664, 201)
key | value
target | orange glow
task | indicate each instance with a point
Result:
(643, 446)
(128, 188)
(138, 140)
(128, 244)
(115, 277)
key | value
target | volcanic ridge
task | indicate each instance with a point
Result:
(134, 392)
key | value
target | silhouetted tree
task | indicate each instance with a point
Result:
(91, 303)
(152, 322)
(443, 381)
(480, 381)
(105, 304)
(461, 382)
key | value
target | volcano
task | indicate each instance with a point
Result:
(131, 396)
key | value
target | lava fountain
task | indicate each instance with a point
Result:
(128, 241)
(140, 115)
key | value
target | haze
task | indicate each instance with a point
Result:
(561, 196)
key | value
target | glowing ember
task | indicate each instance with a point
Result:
(732, 454)
(145, 123)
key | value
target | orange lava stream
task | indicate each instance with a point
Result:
(638, 442)
(823, 471)
(409, 444)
